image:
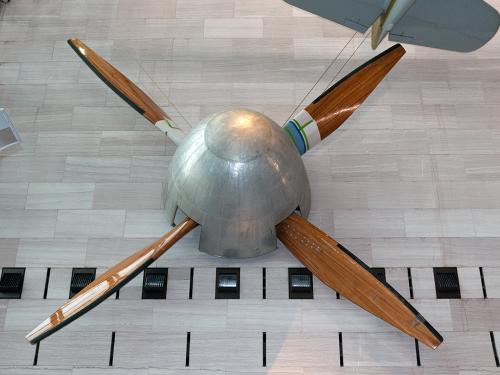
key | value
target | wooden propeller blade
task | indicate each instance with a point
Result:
(108, 283)
(325, 114)
(335, 266)
(120, 84)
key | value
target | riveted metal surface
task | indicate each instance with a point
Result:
(238, 175)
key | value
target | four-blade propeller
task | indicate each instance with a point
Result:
(322, 255)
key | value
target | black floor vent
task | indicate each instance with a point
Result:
(446, 281)
(300, 283)
(379, 272)
(227, 283)
(154, 284)
(11, 283)
(80, 278)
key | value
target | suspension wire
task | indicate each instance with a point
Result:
(349, 59)
(163, 93)
(322, 75)
(328, 68)
(303, 99)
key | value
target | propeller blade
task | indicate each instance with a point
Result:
(325, 114)
(335, 266)
(105, 285)
(127, 90)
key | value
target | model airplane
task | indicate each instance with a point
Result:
(456, 25)
(240, 176)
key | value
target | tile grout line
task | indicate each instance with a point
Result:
(191, 276)
(494, 346)
(264, 283)
(417, 352)
(46, 288)
(410, 283)
(112, 349)
(264, 349)
(188, 347)
(485, 295)
(37, 349)
(341, 350)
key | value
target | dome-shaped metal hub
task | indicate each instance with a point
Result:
(238, 135)
(238, 175)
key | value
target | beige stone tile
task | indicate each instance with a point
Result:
(9, 72)
(417, 252)
(115, 143)
(107, 252)
(423, 283)
(194, 316)
(96, 169)
(492, 281)
(70, 349)
(95, 223)
(146, 223)
(60, 195)
(170, 28)
(59, 283)
(146, 9)
(369, 223)
(283, 350)
(233, 28)
(470, 282)
(85, 143)
(31, 168)
(34, 283)
(378, 349)
(276, 283)
(13, 195)
(14, 349)
(32, 223)
(8, 251)
(57, 252)
(26, 50)
(178, 283)
(261, 9)
(486, 222)
(127, 195)
(206, 353)
(204, 284)
(398, 279)
(22, 95)
(205, 9)
(453, 353)
(75, 94)
(168, 350)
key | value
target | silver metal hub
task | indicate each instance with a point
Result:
(238, 175)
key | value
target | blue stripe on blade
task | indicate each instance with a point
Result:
(297, 138)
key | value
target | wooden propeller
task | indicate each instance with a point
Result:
(325, 114)
(339, 269)
(127, 90)
(105, 285)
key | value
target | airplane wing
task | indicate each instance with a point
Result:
(458, 25)
(354, 14)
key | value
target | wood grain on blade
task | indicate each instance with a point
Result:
(339, 269)
(336, 104)
(105, 285)
(120, 84)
